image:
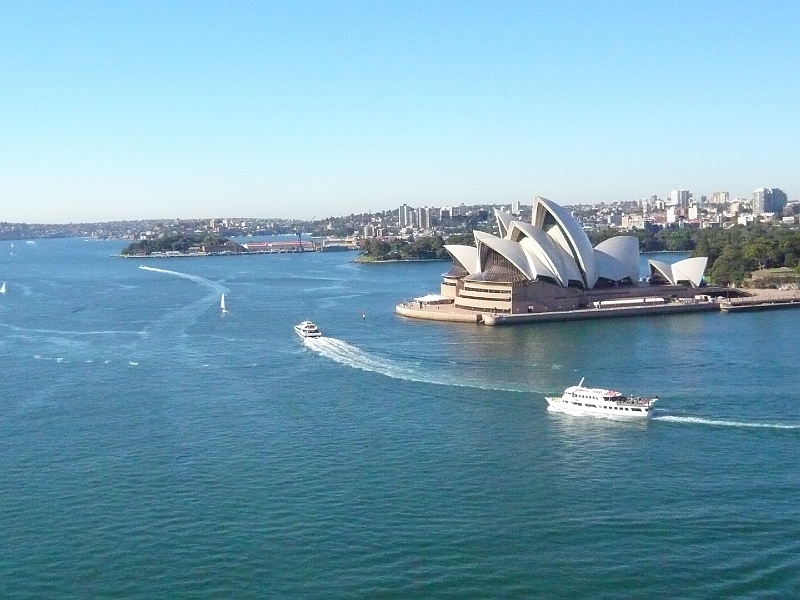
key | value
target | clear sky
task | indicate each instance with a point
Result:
(125, 110)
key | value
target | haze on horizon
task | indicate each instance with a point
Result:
(113, 111)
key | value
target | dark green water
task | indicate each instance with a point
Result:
(155, 448)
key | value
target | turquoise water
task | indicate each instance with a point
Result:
(155, 448)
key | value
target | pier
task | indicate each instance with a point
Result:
(762, 300)
(754, 300)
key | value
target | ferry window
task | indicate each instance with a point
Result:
(637, 409)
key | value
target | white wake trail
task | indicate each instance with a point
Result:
(217, 287)
(719, 423)
(351, 356)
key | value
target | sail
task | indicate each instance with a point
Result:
(222, 302)
(3, 288)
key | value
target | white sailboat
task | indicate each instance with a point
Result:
(222, 304)
(3, 288)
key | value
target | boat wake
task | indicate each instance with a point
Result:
(218, 288)
(351, 356)
(181, 319)
(719, 423)
(111, 332)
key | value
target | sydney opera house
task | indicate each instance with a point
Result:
(549, 264)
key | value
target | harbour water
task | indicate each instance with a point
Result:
(153, 447)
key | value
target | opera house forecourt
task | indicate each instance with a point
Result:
(547, 270)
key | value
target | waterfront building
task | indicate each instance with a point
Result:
(549, 264)
(515, 207)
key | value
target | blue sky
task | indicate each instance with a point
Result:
(303, 109)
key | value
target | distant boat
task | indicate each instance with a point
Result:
(307, 329)
(222, 304)
(3, 288)
(30, 242)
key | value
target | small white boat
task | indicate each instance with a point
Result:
(222, 304)
(578, 400)
(307, 329)
(3, 288)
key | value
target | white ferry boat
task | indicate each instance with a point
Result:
(578, 400)
(307, 329)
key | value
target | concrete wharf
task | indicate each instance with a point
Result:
(762, 300)
(755, 300)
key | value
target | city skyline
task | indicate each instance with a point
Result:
(270, 110)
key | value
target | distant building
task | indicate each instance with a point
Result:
(406, 216)
(720, 198)
(672, 215)
(515, 207)
(680, 198)
(768, 200)
(424, 217)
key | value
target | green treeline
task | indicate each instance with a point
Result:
(170, 243)
(429, 247)
(420, 248)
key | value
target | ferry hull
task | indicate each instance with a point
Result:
(609, 412)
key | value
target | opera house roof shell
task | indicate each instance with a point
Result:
(555, 248)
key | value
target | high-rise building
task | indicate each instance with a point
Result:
(446, 212)
(720, 198)
(424, 217)
(515, 207)
(768, 200)
(680, 198)
(760, 200)
(406, 216)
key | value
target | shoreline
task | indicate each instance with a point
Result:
(755, 300)
(399, 260)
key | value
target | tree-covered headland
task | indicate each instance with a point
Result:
(178, 243)
(420, 248)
